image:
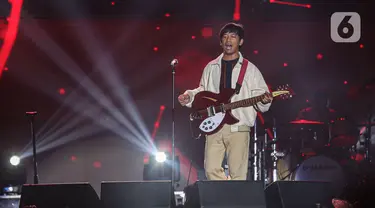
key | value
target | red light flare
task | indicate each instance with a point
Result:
(361, 46)
(193, 37)
(162, 108)
(167, 15)
(157, 28)
(206, 32)
(256, 52)
(113, 3)
(345, 82)
(73, 158)
(156, 49)
(358, 157)
(62, 91)
(285, 64)
(146, 157)
(3, 28)
(11, 33)
(97, 164)
(319, 56)
(157, 122)
(290, 3)
(237, 10)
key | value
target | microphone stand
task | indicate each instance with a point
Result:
(173, 64)
(31, 115)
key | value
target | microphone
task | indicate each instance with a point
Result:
(174, 62)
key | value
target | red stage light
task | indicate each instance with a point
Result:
(73, 158)
(97, 164)
(162, 107)
(9, 36)
(113, 3)
(62, 91)
(3, 28)
(291, 3)
(156, 49)
(157, 28)
(319, 56)
(6, 69)
(285, 64)
(256, 51)
(237, 10)
(193, 37)
(236, 16)
(361, 46)
(167, 15)
(206, 32)
(345, 82)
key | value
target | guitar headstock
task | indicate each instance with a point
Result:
(284, 92)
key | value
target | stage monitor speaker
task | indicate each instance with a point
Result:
(225, 194)
(137, 194)
(297, 194)
(76, 195)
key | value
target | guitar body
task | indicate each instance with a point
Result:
(206, 99)
(214, 110)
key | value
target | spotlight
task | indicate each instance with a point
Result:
(14, 160)
(10, 189)
(160, 157)
(160, 167)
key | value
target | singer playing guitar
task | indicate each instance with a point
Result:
(223, 72)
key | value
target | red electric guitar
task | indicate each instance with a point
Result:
(214, 110)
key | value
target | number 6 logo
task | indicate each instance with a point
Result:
(345, 27)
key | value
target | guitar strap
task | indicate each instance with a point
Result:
(241, 76)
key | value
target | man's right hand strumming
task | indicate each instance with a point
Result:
(184, 99)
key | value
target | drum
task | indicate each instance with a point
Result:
(304, 135)
(287, 165)
(321, 169)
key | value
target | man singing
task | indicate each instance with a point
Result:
(223, 72)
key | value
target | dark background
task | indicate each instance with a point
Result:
(279, 33)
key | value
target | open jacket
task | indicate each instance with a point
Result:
(253, 85)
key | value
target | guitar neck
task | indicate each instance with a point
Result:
(244, 103)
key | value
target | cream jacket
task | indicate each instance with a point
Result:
(253, 85)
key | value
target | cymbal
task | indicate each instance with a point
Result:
(302, 121)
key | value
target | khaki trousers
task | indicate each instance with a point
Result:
(236, 147)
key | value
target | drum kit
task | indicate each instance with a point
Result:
(312, 150)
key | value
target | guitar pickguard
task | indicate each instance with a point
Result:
(211, 123)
